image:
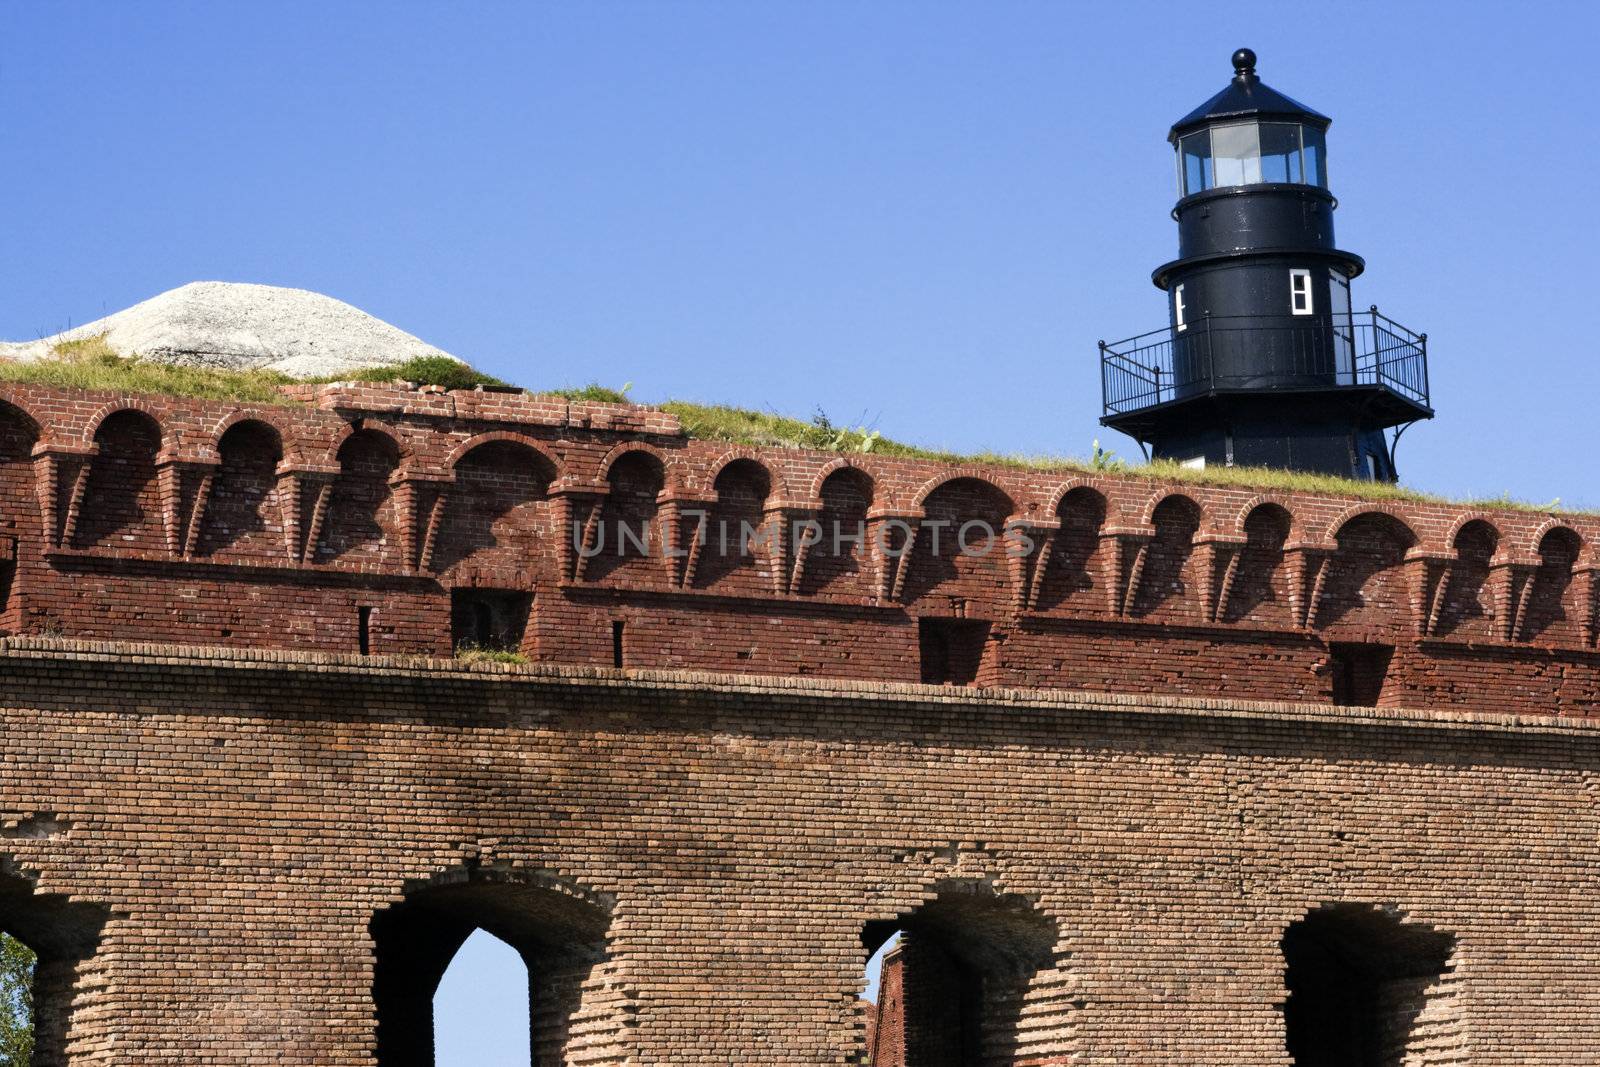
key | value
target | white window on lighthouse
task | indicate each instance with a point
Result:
(1300, 292)
(1177, 308)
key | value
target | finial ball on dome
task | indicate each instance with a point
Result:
(1244, 61)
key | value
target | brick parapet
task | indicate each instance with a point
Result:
(382, 507)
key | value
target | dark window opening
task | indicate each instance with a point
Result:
(364, 630)
(946, 981)
(616, 643)
(1365, 989)
(1359, 672)
(951, 650)
(557, 930)
(488, 620)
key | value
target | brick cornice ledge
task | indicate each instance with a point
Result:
(780, 687)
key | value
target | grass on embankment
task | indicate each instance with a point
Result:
(90, 364)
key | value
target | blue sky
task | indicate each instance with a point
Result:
(920, 217)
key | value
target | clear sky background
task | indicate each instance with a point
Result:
(915, 216)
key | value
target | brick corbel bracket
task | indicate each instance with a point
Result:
(1123, 551)
(421, 495)
(60, 473)
(1589, 575)
(1429, 573)
(1218, 556)
(185, 481)
(1028, 569)
(683, 532)
(579, 507)
(891, 539)
(792, 554)
(1511, 578)
(1309, 564)
(307, 487)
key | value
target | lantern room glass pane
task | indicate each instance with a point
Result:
(1194, 154)
(1316, 156)
(1236, 154)
(1280, 152)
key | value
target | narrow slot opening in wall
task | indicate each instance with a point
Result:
(8, 569)
(616, 642)
(364, 630)
(1359, 672)
(951, 650)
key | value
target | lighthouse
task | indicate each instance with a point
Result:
(1266, 360)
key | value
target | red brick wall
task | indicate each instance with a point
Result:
(189, 521)
(699, 860)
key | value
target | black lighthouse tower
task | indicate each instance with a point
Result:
(1264, 361)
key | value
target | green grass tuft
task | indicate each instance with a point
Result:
(594, 391)
(421, 370)
(88, 363)
(469, 654)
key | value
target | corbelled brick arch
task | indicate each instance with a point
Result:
(1464, 606)
(497, 520)
(736, 550)
(239, 511)
(356, 523)
(837, 555)
(119, 504)
(1365, 590)
(1071, 564)
(624, 535)
(1163, 584)
(1553, 607)
(1255, 580)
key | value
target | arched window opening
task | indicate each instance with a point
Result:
(47, 950)
(481, 1007)
(951, 979)
(557, 931)
(1464, 608)
(122, 501)
(1364, 987)
(1070, 570)
(241, 515)
(1256, 592)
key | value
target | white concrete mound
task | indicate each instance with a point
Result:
(238, 326)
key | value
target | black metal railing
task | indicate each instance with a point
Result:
(1238, 353)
